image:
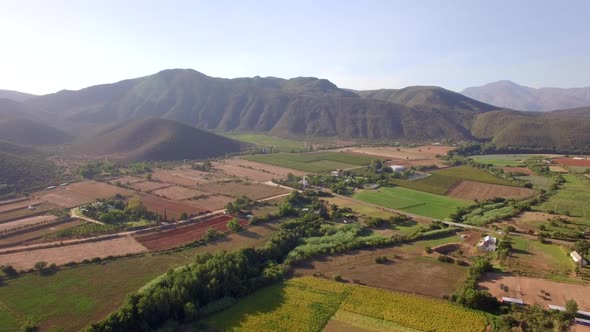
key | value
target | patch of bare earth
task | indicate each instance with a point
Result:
(177, 193)
(73, 253)
(253, 170)
(526, 221)
(481, 191)
(252, 190)
(149, 185)
(522, 170)
(25, 222)
(406, 156)
(213, 202)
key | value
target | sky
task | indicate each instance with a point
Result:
(52, 45)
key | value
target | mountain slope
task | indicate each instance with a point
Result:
(296, 107)
(24, 168)
(15, 95)
(511, 95)
(30, 132)
(157, 139)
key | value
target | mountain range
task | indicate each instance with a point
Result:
(514, 96)
(300, 107)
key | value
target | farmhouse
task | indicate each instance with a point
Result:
(397, 168)
(487, 243)
(578, 259)
(511, 300)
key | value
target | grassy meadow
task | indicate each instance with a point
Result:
(509, 160)
(281, 144)
(308, 304)
(571, 199)
(412, 201)
(441, 181)
(313, 162)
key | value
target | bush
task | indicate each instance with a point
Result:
(381, 259)
(338, 278)
(9, 270)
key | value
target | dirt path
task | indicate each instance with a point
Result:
(74, 214)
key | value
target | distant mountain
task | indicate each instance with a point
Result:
(24, 168)
(15, 95)
(157, 139)
(30, 132)
(511, 95)
(298, 107)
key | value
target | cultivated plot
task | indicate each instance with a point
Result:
(482, 191)
(571, 199)
(314, 162)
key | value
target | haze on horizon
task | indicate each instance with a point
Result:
(49, 46)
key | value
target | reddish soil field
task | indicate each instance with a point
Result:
(406, 156)
(522, 170)
(186, 177)
(149, 185)
(127, 180)
(252, 190)
(97, 190)
(212, 203)
(482, 191)
(37, 235)
(26, 222)
(24, 212)
(73, 253)
(19, 205)
(66, 198)
(529, 290)
(571, 162)
(171, 208)
(184, 235)
(251, 170)
(177, 193)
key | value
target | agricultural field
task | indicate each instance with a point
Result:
(510, 160)
(73, 253)
(571, 199)
(578, 169)
(170, 208)
(26, 222)
(21, 204)
(280, 144)
(236, 189)
(147, 186)
(412, 201)
(185, 176)
(407, 269)
(25, 212)
(72, 298)
(530, 221)
(246, 169)
(558, 169)
(185, 234)
(440, 182)
(518, 170)
(535, 259)
(36, 235)
(308, 304)
(313, 162)
(406, 156)
(571, 162)
(470, 190)
(529, 290)
(210, 202)
(540, 181)
(177, 193)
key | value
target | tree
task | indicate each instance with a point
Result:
(135, 206)
(233, 225)
(571, 309)
(9, 270)
(41, 265)
(231, 208)
(183, 216)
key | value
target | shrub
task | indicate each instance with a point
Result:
(338, 278)
(381, 259)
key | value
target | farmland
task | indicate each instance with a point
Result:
(571, 162)
(412, 201)
(280, 144)
(405, 156)
(307, 304)
(440, 182)
(482, 191)
(536, 259)
(235, 189)
(245, 169)
(507, 159)
(569, 199)
(25, 212)
(36, 234)
(313, 162)
(171, 209)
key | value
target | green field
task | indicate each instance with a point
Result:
(313, 162)
(412, 201)
(441, 181)
(534, 258)
(503, 159)
(572, 198)
(308, 304)
(281, 144)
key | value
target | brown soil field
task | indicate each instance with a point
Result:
(73, 253)
(406, 271)
(526, 221)
(522, 170)
(212, 203)
(253, 170)
(405, 156)
(571, 162)
(26, 222)
(482, 191)
(235, 189)
(97, 190)
(127, 180)
(184, 235)
(529, 290)
(19, 205)
(14, 200)
(171, 208)
(177, 193)
(558, 169)
(37, 236)
(149, 185)
(66, 198)
(186, 177)
(24, 212)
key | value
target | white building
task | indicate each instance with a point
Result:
(397, 168)
(578, 258)
(487, 243)
(304, 182)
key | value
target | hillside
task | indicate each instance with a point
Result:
(15, 95)
(24, 168)
(511, 95)
(297, 107)
(156, 139)
(30, 132)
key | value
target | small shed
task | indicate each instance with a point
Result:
(397, 168)
(578, 259)
(512, 300)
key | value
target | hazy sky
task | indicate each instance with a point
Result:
(49, 45)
